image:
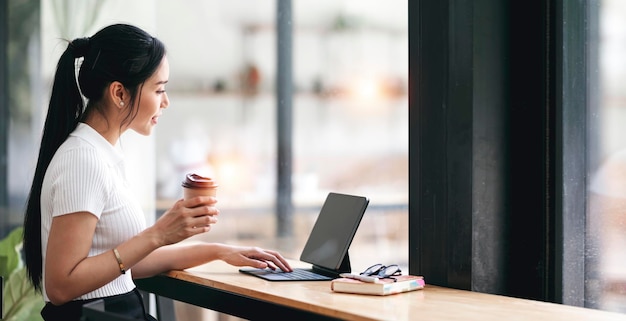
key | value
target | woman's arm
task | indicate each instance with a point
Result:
(180, 257)
(70, 272)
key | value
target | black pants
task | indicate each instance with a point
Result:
(129, 305)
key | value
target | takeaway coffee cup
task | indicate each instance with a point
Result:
(196, 185)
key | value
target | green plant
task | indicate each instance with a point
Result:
(20, 299)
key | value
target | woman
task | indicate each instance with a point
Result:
(84, 233)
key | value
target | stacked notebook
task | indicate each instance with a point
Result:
(404, 283)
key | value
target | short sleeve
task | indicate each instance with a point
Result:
(80, 182)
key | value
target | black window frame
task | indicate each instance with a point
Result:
(464, 203)
(497, 144)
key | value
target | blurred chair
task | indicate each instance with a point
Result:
(94, 311)
(164, 306)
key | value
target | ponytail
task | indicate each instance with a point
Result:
(118, 52)
(64, 111)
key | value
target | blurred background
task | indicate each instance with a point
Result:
(349, 120)
(349, 113)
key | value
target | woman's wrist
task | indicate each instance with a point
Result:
(154, 237)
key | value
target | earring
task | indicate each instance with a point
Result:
(122, 103)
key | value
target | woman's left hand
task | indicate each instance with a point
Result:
(254, 257)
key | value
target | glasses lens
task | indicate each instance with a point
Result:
(374, 269)
(389, 271)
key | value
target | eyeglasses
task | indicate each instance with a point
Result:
(383, 271)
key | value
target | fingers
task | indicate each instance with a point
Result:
(188, 217)
(202, 221)
(199, 201)
(281, 262)
(271, 258)
(198, 224)
(202, 215)
(204, 210)
(201, 229)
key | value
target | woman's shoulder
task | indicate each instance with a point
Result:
(85, 142)
(78, 164)
(74, 155)
(75, 148)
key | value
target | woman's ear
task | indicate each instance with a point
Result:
(118, 94)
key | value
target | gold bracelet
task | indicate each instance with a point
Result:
(119, 261)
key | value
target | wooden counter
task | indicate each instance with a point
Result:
(221, 287)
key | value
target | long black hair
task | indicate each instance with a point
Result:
(118, 52)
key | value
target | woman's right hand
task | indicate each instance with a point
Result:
(186, 218)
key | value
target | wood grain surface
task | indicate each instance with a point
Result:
(431, 303)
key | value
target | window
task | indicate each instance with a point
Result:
(606, 208)
(350, 129)
(349, 124)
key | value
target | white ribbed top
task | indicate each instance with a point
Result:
(87, 174)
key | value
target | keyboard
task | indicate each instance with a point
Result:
(278, 275)
(301, 274)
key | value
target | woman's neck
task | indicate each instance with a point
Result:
(109, 129)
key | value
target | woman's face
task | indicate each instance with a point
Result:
(152, 100)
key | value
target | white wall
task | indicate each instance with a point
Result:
(207, 41)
